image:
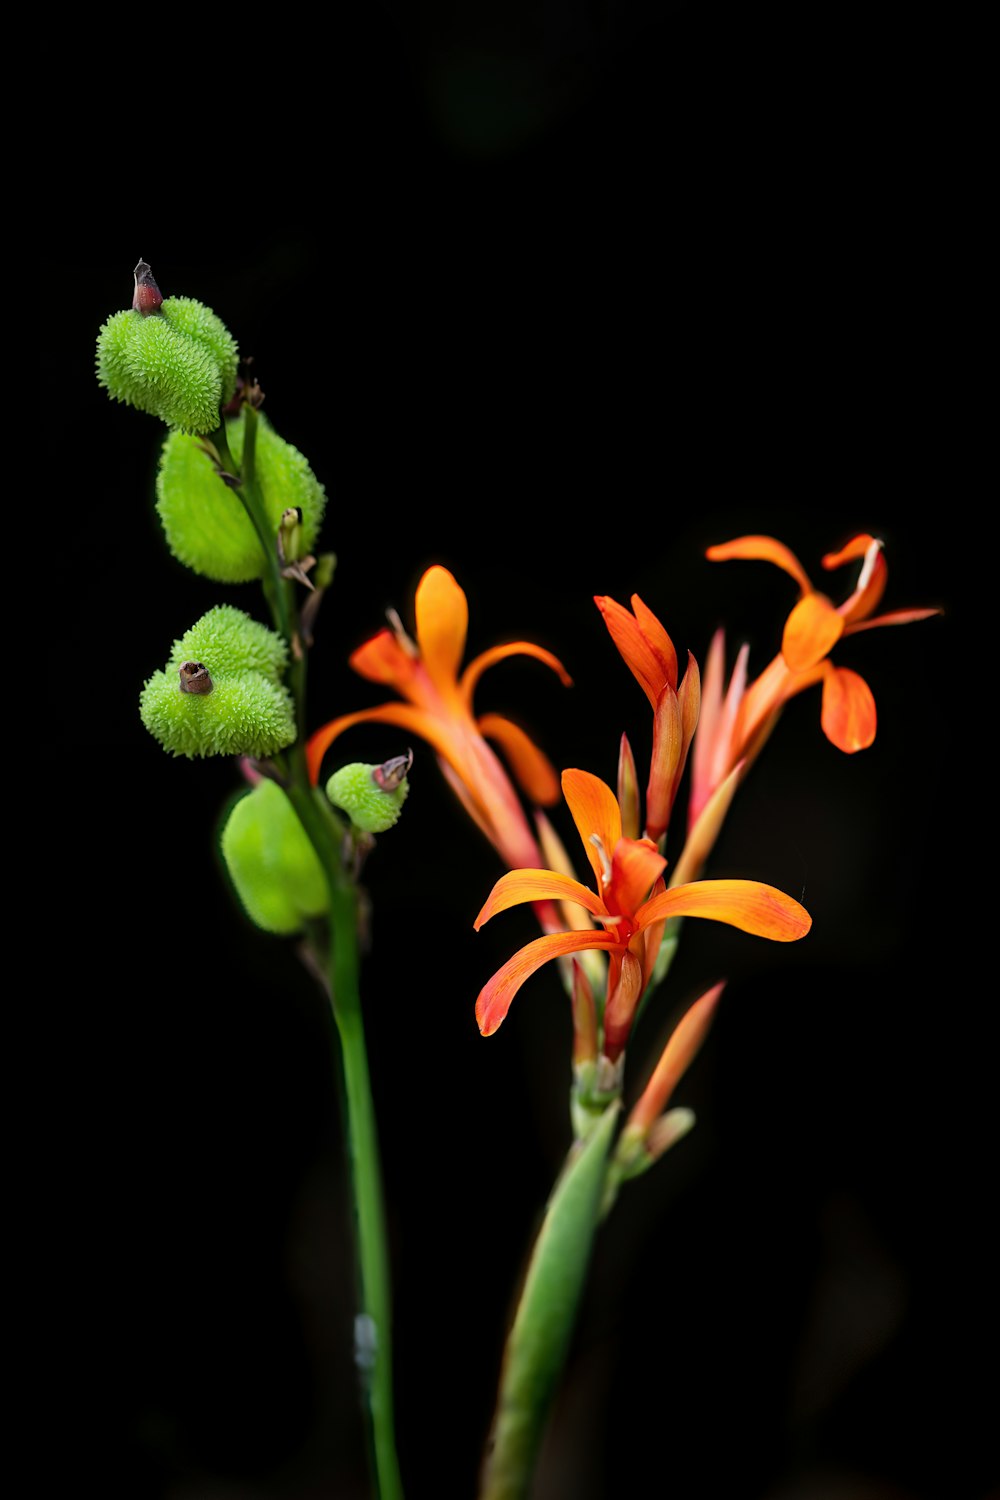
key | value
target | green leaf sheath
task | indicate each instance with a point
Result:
(539, 1339)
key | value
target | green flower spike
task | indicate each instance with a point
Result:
(271, 863)
(171, 357)
(205, 523)
(220, 693)
(372, 796)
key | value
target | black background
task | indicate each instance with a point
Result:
(557, 301)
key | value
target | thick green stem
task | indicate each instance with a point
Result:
(543, 1325)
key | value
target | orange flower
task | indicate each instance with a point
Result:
(648, 652)
(735, 724)
(631, 907)
(439, 710)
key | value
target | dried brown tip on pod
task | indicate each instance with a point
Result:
(195, 677)
(391, 773)
(147, 297)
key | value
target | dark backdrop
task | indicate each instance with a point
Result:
(557, 301)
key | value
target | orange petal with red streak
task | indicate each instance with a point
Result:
(442, 615)
(535, 772)
(856, 547)
(519, 886)
(595, 809)
(895, 617)
(812, 629)
(761, 549)
(848, 715)
(495, 996)
(746, 904)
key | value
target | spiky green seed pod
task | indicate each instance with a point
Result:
(178, 364)
(271, 863)
(205, 523)
(242, 714)
(369, 807)
(220, 693)
(234, 642)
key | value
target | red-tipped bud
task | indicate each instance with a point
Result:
(678, 1055)
(147, 297)
(392, 773)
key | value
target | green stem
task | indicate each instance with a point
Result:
(373, 1323)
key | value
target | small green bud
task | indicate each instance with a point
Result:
(372, 796)
(171, 357)
(271, 862)
(205, 523)
(233, 642)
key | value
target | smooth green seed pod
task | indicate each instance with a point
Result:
(273, 866)
(369, 807)
(205, 523)
(243, 714)
(178, 364)
(233, 642)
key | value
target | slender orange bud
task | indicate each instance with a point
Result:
(678, 1055)
(584, 1018)
(628, 790)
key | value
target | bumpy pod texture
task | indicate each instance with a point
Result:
(230, 637)
(247, 712)
(271, 863)
(178, 364)
(369, 807)
(206, 525)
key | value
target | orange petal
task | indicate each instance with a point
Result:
(762, 549)
(646, 666)
(595, 810)
(519, 886)
(848, 715)
(635, 866)
(811, 631)
(496, 995)
(531, 767)
(478, 665)
(746, 904)
(442, 614)
(856, 547)
(554, 857)
(403, 715)
(871, 580)
(383, 659)
(659, 641)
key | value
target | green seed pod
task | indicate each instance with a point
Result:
(206, 525)
(370, 807)
(241, 714)
(179, 363)
(233, 642)
(271, 863)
